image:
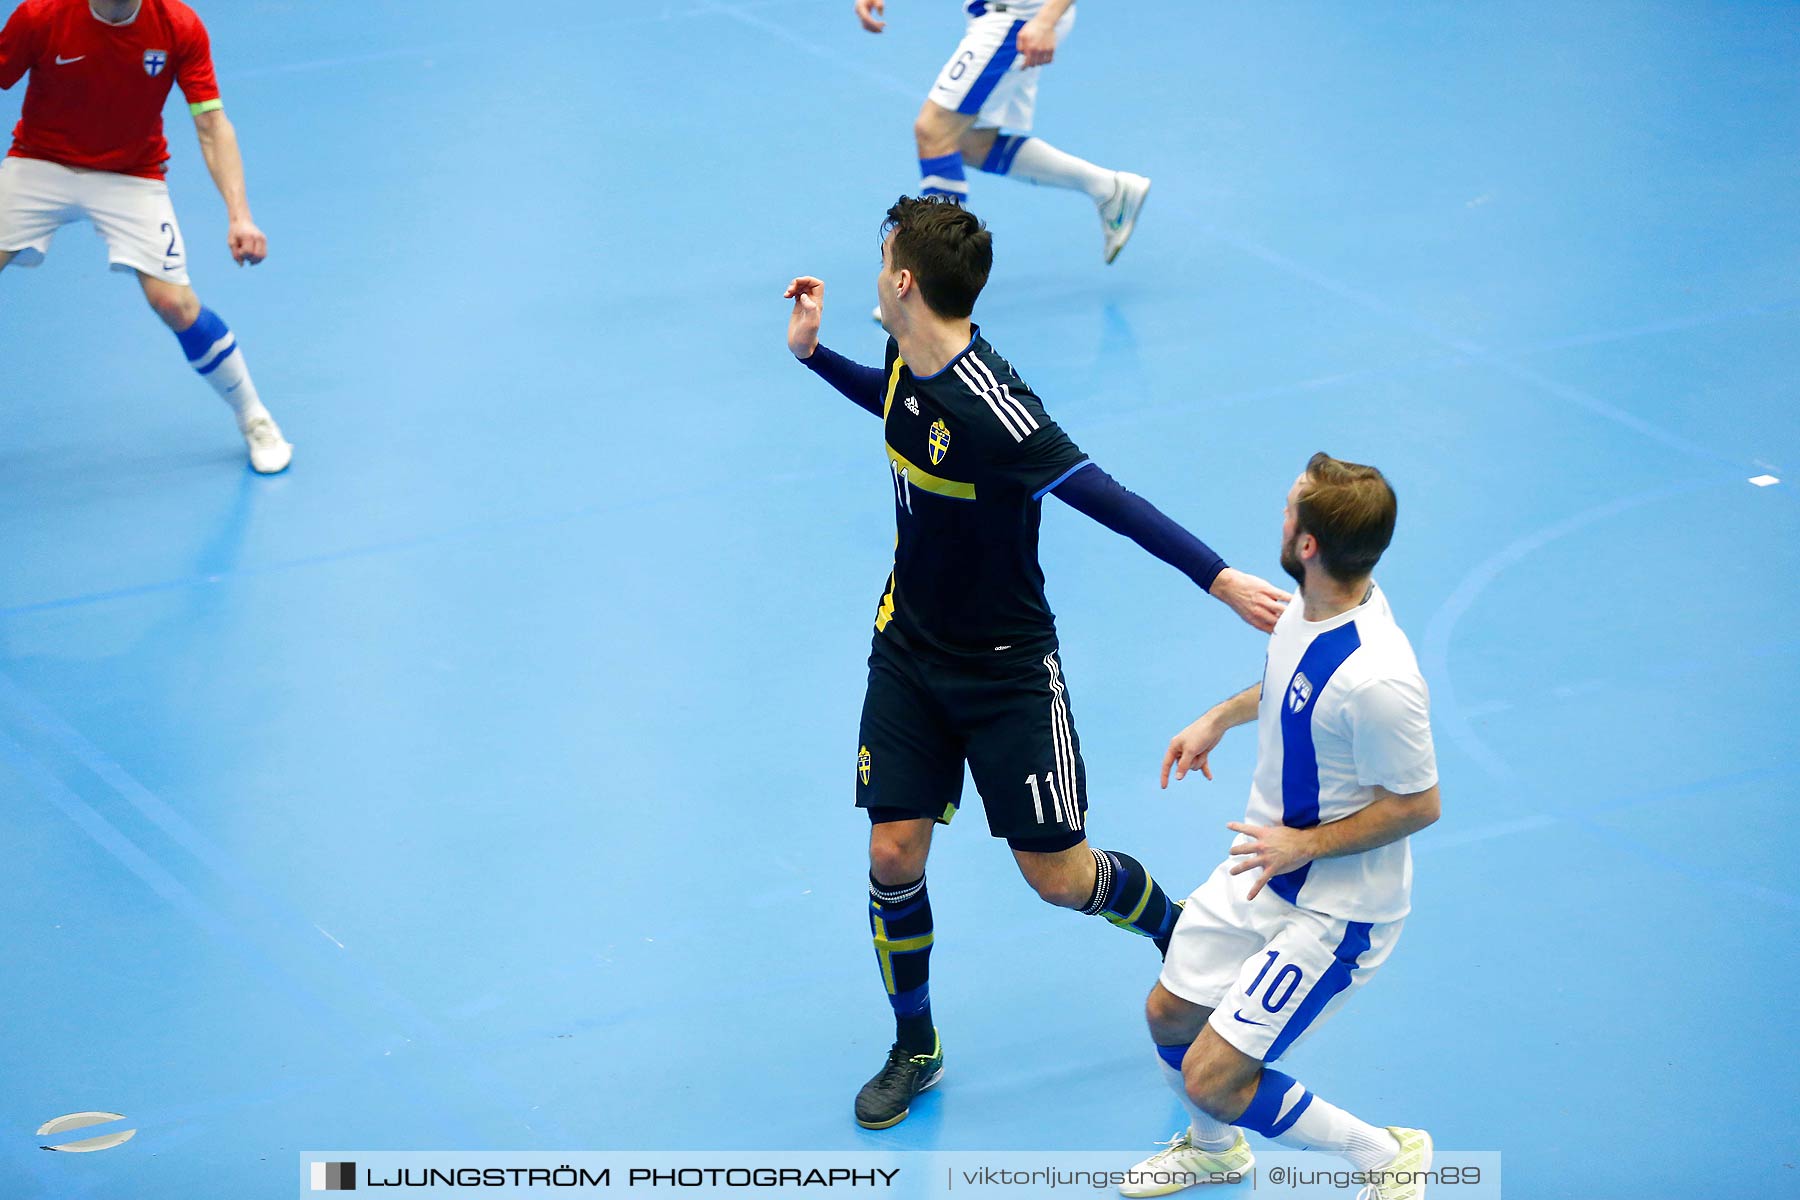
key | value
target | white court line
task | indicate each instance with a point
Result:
(888, 82)
(700, 8)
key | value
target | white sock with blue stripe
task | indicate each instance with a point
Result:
(1204, 1130)
(1037, 161)
(212, 351)
(943, 176)
(1284, 1110)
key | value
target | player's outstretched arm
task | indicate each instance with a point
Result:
(861, 384)
(1093, 492)
(219, 145)
(1190, 749)
(1276, 849)
(869, 12)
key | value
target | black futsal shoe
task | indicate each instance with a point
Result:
(886, 1099)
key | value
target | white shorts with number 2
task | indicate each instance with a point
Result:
(1272, 973)
(133, 215)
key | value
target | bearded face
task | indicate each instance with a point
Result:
(1290, 558)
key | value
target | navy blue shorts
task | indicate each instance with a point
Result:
(1008, 718)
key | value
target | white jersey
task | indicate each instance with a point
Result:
(1018, 10)
(1343, 709)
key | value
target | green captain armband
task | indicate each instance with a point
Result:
(206, 106)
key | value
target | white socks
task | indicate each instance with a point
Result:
(212, 351)
(231, 379)
(1207, 1131)
(1038, 161)
(1325, 1126)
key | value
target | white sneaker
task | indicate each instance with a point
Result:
(1119, 212)
(269, 451)
(1183, 1165)
(1404, 1178)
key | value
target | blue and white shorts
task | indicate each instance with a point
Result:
(987, 78)
(1271, 972)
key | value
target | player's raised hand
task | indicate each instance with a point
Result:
(1189, 749)
(808, 295)
(1256, 600)
(869, 12)
(1037, 41)
(248, 243)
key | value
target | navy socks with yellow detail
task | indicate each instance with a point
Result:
(1126, 895)
(900, 922)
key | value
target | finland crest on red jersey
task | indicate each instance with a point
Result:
(155, 61)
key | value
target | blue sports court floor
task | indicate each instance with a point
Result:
(484, 782)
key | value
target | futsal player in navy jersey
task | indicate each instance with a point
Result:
(964, 667)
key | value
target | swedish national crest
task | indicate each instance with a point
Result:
(862, 764)
(940, 441)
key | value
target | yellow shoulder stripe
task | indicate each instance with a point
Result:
(893, 382)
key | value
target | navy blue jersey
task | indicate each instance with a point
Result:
(972, 454)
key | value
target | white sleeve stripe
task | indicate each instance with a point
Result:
(1006, 395)
(973, 383)
(1017, 434)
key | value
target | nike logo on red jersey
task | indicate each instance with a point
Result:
(63, 62)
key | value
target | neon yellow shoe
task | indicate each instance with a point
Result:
(1404, 1178)
(1183, 1165)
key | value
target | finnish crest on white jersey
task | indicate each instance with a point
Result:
(1300, 692)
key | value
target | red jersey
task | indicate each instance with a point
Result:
(97, 91)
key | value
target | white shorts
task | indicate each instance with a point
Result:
(134, 216)
(987, 78)
(1271, 972)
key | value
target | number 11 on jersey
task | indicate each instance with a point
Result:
(902, 485)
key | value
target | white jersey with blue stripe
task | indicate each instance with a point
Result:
(1018, 10)
(1344, 709)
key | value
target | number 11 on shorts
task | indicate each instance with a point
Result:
(1037, 798)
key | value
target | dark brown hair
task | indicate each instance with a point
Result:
(1350, 509)
(945, 246)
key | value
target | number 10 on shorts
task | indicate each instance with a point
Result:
(1281, 987)
(1037, 798)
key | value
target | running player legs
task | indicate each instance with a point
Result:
(990, 84)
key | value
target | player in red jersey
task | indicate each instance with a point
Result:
(89, 144)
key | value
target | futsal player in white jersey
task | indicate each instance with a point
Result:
(1310, 900)
(979, 112)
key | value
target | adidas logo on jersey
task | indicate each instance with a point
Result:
(912, 406)
(1300, 693)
